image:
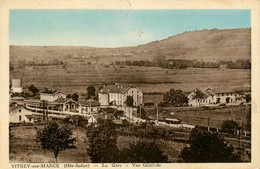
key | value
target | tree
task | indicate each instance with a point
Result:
(75, 97)
(102, 142)
(198, 95)
(248, 98)
(91, 91)
(143, 152)
(129, 101)
(11, 134)
(208, 147)
(55, 138)
(68, 96)
(33, 89)
(175, 97)
(230, 126)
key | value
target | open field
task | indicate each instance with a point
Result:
(199, 116)
(77, 77)
(24, 149)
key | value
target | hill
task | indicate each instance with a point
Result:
(204, 45)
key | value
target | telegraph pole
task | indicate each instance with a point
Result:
(208, 124)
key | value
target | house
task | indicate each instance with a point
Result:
(20, 114)
(88, 107)
(217, 96)
(117, 95)
(16, 86)
(91, 119)
(51, 95)
(60, 104)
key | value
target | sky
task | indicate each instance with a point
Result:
(114, 28)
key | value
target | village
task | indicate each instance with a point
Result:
(125, 98)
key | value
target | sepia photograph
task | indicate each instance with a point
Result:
(129, 86)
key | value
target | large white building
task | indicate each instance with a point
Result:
(16, 86)
(117, 95)
(218, 96)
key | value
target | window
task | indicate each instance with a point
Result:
(222, 94)
(20, 110)
(132, 92)
(20, 118)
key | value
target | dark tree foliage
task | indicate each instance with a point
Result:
(118, 113)
(11, 135)
(102, 142)
(208, 147)
(33, 89)
(229, 126)
(91, 91)
(175, 98)
(143, 113)
(129, 101)
(55, 138)
(198, 95)
(248, 98)
(75, 97)
(68, 96)
(143, 152)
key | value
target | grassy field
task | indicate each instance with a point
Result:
(24, 149)
(77, 77)
(199, 116)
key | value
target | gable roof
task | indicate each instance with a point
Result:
(51, 92)
(118, 88)
(89, 102)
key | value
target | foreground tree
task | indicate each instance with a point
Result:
(102, 142)
(230, 126)
(208, 147)
(175, 98)
(143, 152)
(55, 138)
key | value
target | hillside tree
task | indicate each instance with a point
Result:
(208, 147)
(102, 142)
(55, 138)
(143, 152)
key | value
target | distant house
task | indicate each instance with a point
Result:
(218, 96)
(91, 119)
(51, 95)
(16, 86)
(117, 94)
(20, 114)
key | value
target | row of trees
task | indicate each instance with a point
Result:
(183, 64)
(102, 145)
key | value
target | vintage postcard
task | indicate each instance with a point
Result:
(130, 84)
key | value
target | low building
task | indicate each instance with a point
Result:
(219, 96)
(88, 107)
(20, 114)
(51, 95)
(117, 95)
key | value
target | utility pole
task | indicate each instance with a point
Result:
(140, 111)
(157, 113)
(208, 124)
